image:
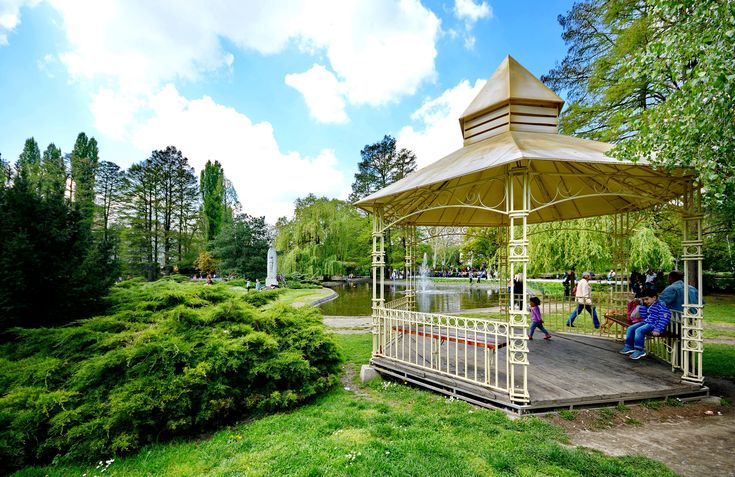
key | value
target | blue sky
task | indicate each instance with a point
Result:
(283, 93)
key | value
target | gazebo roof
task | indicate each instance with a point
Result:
(511, 82)
(512, 124)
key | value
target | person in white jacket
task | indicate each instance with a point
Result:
(584, 301)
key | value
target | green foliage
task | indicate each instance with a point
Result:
(568, 414)
(29, 164)
(381, 165)
(159, 201)
(53, 172)
(657, 77)
(172, 359)
(50, 270)
(84, 159)
(205, 263)
(652, 404)
(481, 244)
(647, 250)
(325, 237)
(585, 243)
(385, 429)
(582, 243)
(242, 246)
(212, 186)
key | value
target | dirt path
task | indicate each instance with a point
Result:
(694, 446)
(693, 439)
(349, 324)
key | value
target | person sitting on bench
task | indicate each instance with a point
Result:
(656, 315)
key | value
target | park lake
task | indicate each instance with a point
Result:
(354, 299)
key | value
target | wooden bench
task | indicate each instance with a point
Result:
(615, 317)
(447, 336)
(667, 344)
(440, 335)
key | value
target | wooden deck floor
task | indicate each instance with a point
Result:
(568, 371)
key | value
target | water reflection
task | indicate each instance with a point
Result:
(355, 299)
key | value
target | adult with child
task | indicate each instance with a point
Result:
(657, 316)
(584, 301)
(536, 320)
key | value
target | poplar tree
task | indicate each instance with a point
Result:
(53, 172)
(29, 164)
(212, 186)
(84, 161)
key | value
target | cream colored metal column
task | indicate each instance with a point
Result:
(410, 265)
(620, 294)
(691, 323)
(503, 271)
(378, 268)
(518, 202)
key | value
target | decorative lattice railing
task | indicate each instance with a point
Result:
(470, 349)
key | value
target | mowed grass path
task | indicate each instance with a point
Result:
(384, 429)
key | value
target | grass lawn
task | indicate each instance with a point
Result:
(719, 309)
(385, 429)
(298, 297)
(718, 360)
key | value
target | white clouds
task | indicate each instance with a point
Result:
(139, 45)
(136, 46)
(267, 180)
(129, 52)
(321, 91)
(114, 112)
(470, 12)
(10, 17)
(439, 133)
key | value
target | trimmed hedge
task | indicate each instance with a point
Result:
(170, 360)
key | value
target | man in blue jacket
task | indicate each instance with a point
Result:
(657, 316)
(673, 295)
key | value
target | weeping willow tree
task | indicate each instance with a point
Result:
(647, 250)
(586, 244)
(325, 237)
(583, 244)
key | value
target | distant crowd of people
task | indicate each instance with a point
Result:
(473, 274)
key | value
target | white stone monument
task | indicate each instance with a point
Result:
(272, 278)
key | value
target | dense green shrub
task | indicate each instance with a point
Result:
(718, 282)
(171, 359)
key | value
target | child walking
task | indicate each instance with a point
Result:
(536, 321)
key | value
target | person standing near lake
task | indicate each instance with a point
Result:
(568, 283)
(584, 301)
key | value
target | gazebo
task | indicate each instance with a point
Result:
(515, 169)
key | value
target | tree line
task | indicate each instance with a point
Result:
(72, 224)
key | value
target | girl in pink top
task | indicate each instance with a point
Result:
(536, 321)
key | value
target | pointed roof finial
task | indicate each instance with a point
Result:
(512, 100)
(511, 82)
